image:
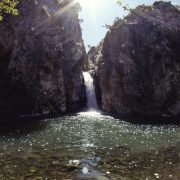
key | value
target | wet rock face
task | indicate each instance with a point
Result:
(41, 53)
(140, 71)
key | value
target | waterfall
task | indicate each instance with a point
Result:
(90, 91)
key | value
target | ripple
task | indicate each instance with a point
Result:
(90, 135)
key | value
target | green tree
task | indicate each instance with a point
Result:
(123, 5)
(8, 7)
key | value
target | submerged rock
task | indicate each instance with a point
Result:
(140, 67)
(41, 53)
(85, 170)
(72, 165)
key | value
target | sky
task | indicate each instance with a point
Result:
(97, 13)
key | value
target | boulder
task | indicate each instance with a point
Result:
(140, 68)
(41, 58)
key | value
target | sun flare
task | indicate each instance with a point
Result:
(91, 7)
(88, 3)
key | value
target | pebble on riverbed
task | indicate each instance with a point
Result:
(85, 170)
(72, 165)
(108, 173)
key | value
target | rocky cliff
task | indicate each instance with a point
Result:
(41, 55)
(95, 56)
(140, 68)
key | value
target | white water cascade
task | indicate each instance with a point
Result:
(90, 91)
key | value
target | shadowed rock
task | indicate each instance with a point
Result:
(140, 68)
(41, 53)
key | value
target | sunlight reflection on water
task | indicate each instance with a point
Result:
(89, 137)
(92, 113)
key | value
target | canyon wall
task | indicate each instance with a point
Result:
(139, 72)
(41, 55)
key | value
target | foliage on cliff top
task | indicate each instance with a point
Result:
(8, 7)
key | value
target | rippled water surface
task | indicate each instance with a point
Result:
(89, 145)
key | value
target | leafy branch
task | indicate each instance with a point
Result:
(8, 7)
(123, 5)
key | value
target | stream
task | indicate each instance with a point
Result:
(89, 145)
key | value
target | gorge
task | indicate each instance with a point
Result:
(108, 114)
(136, 66)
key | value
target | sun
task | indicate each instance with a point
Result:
(91, 7)
(88, 3)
